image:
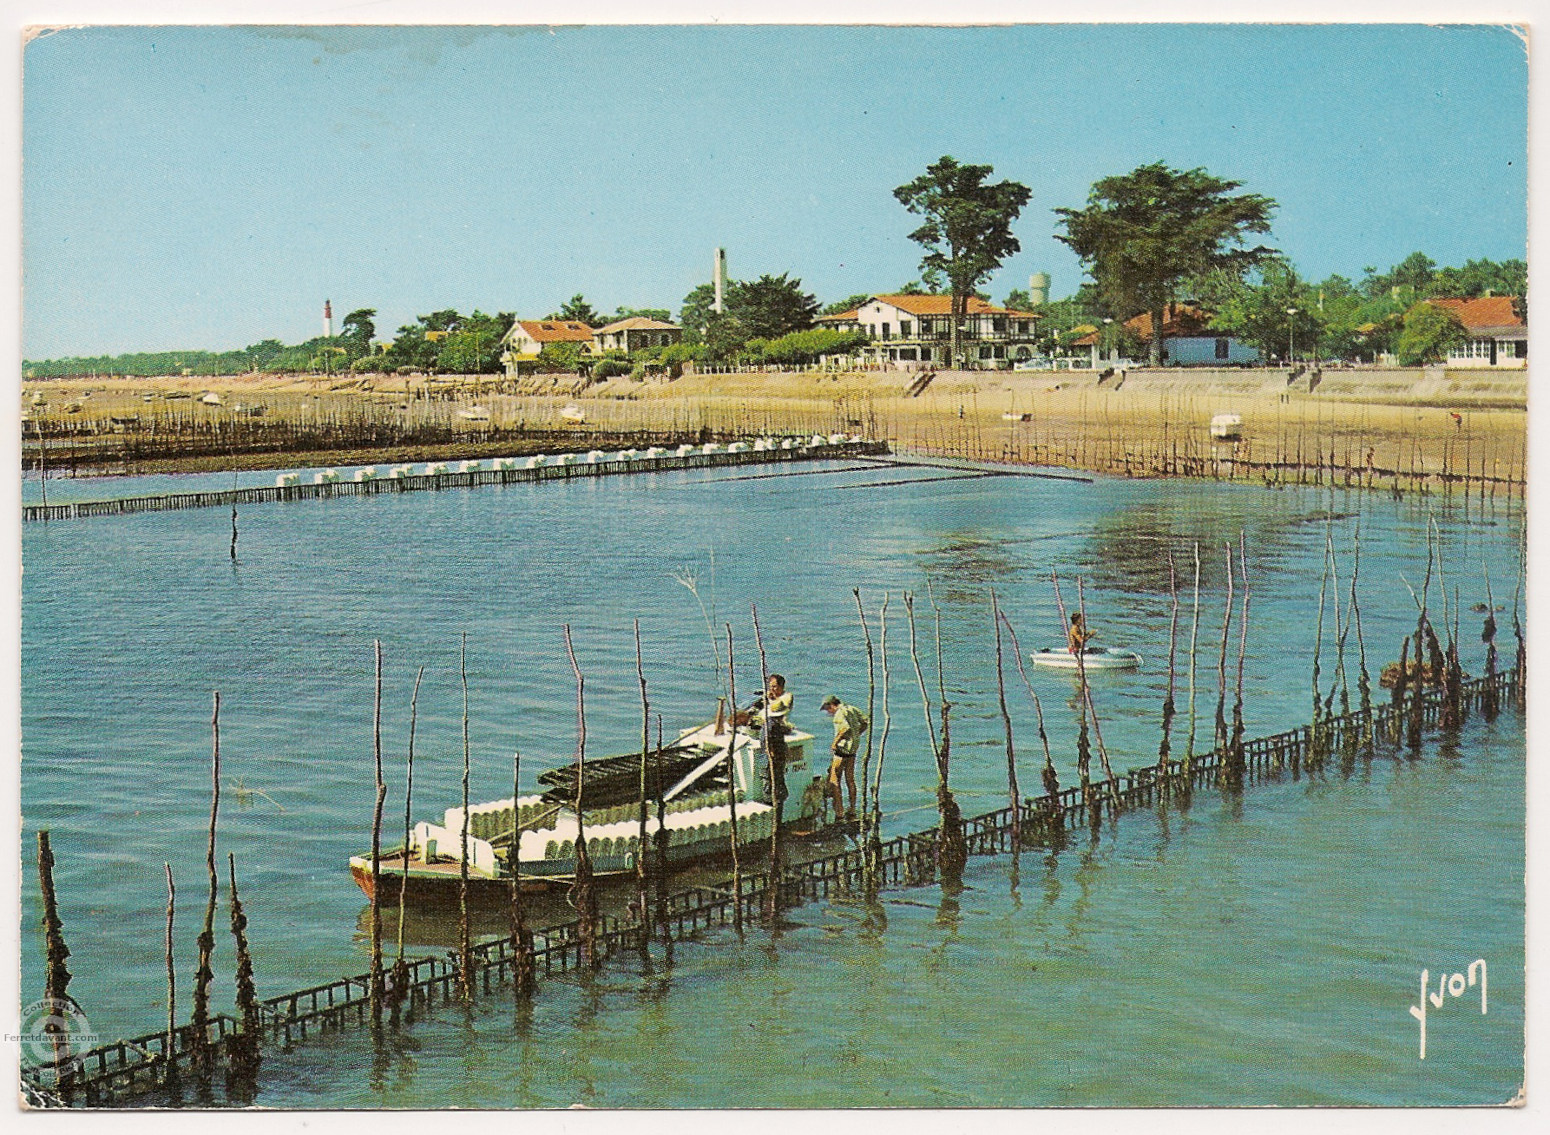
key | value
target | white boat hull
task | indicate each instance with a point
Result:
(1094, 658)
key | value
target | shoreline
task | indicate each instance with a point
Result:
(1373, 428)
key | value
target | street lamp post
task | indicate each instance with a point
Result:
(1291, 356)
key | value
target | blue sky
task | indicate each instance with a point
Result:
(209, 187)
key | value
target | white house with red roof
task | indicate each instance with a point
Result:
(528, 337)
(1497, 337)
(918, 329)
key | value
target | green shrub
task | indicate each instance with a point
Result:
(610, 368)
(1430, 332)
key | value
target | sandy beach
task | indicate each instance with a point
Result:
(1381, 425)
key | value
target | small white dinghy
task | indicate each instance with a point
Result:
(1094, 658)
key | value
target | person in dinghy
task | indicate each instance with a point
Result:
(1078, 636)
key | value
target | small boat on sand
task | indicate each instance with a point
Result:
(1093, 658)
(687, 796)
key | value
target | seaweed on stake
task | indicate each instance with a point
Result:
(1364, 680)
(245, 1047)
(952, 851)
(199, 1022)
(1168, 706)
(56, 974)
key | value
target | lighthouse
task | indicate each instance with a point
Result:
(328, 320)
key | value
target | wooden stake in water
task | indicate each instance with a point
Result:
(169, 1047)
(1221, 734)
(737, 866)
(376, 845)
(1013, 792)
(582, 898)
(1092, 710)
(1364, 681)
(245, 1052)
(866, 757)
(1194, 640)
(775, 767)
(1235, 748)
(56, 974)
(523, 978)
(465, 951)
(200, 1020)
(882, 736)
(1168, 707)
(400, 966)
(1051, 781)
(642, 875)
(1083, 745)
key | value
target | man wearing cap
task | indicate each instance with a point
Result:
(849, 724)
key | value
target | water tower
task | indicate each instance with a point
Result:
(1038, 289)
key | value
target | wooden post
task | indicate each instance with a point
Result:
(400, 966)
(1221, 735)
(882, 736)
(1194, 640)
(1168, 707)
(1051, 807)
(583, 898)
(777, 773)
(245, 1050)
(737, 866)
(200, 1021)
(170, 1044)
(376, 843)
(866, 758)
(1235, 747)
(642, 874)
(56, 974)
(1012, 789)
(465, 952)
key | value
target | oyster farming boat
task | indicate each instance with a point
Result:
(686, 783)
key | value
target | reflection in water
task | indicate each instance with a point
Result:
(1128, 548)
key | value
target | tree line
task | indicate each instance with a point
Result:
(1147, 239)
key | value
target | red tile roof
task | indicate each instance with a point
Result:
(556, 330)
(943, 305)
(1483, 312)
(1179, 319)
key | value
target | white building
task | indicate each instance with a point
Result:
(918, 329)
(1497, 337)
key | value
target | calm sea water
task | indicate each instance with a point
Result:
(1264, 950)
